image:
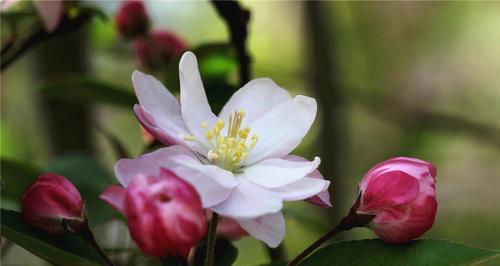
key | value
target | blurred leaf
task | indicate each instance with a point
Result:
(63, 249)
(87, 90)
(90, 178)
(416, 253)
(16, 177)
(275, 263)
(216, 60)
(225, 253)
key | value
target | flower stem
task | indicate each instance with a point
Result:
(212, 230)
(353, 219)
(82, 229)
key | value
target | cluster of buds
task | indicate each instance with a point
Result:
(153, 49)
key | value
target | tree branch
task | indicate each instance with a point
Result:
(67, 25)
(236, 19)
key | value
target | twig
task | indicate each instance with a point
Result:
(236, 19)
(40, 35)
(212, 232)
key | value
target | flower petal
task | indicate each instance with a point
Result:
(269, 228)
(159, 112)
(257, 97)
(322, 199)
(221, 176)
(281, 129)
(194, 102)
(249, 201)
(274, 173)
(387, 190)
(213, 186)
(147, 164)
(304, 188)
(114, 195)
(51, 13)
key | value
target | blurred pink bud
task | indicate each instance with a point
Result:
(164, 213)
(230, 229)
(155, 50)
(132, 19)
(401, 193)
(49, 200)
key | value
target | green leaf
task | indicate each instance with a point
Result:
(215, 60)
(225, 253)
(416, 253)
(63, 249)
(87, 90)
(90, 178)
(16, 177)
(275, 263)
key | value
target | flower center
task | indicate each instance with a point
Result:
(229, 151)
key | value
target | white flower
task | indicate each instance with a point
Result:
(238, 160)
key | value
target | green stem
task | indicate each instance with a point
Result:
(212, 231)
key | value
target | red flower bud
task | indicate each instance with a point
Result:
(155, 50)
(49, 200)
(164, 213)
(131, 19)
(401, 193)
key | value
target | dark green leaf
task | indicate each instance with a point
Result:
(90, 178)
(225, 253)
(375, 252)
(174, 261)
(88, 90)
(275, 263)
(63, 249)
(16, 177)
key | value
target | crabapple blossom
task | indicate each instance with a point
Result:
(237, 161)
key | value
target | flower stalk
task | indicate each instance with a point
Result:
(350, 221)
(82, 229)
(212, 231)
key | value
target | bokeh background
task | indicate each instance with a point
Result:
(415, 79)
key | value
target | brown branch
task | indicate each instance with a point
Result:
(67, 25)
(236, 19)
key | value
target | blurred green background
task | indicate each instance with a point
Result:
(415, 79)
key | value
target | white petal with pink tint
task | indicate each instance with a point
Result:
(249, 201)
(304, 188)
(273, 173)
(269, 228)
(257, 97)
(194, 103)
(281, 129)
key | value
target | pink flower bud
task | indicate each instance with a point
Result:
(401, 193)
(131, 19)
(49, 200)
(155, 50)
(230, 229)
(164, 214)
